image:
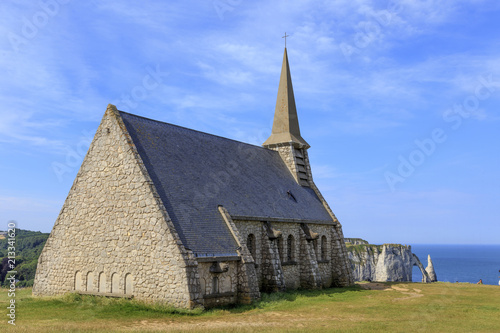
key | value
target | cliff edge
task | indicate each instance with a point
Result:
(385, 263)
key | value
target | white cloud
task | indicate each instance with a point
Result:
(225, 76)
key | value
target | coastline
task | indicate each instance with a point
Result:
(462, 262)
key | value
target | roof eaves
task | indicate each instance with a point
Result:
(279, 219)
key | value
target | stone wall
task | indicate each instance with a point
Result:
(218, 282)
(113, 234)
(245, 228)
(308, 265)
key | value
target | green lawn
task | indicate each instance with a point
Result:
(388, 307)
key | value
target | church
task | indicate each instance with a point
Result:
(168, 214)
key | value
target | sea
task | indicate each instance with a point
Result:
(460, 263)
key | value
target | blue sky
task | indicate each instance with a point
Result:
(400, 104)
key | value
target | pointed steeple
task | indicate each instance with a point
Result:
(286, 124)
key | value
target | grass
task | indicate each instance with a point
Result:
(393, 307)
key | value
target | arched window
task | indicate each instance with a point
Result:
(290, 248)
(324, 249)
(128, 284)
(215, 285)
(251, 245)
(78, 281)
(102, 282)
(90, 281)
(115, 282)
(315, 247)
(279, 242)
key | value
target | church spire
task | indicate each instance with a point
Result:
(286, 124)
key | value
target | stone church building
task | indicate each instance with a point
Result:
(168, 214)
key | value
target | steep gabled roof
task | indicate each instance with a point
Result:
(194, 172)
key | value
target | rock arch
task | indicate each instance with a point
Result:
(416, 262)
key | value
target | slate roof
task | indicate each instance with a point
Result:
(194, 172)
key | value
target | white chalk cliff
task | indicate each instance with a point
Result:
(430, 269)
(385, 263)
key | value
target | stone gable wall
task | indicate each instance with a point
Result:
(112, 234)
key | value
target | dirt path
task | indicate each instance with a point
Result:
(415, 294)
(254, 321)
(402, 288)
(248, 322)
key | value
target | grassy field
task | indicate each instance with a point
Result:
(367, 307)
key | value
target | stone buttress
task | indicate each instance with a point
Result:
(248, 286)
(310, 277)
(272, 273)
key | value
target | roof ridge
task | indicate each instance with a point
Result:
(193, 130)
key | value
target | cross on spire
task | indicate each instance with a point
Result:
(285, 38)
(286, 124)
